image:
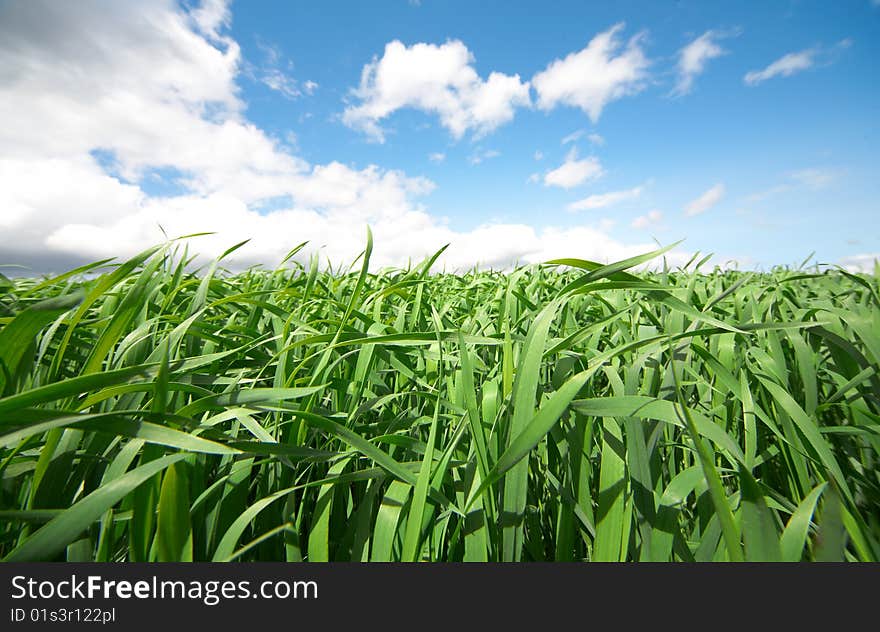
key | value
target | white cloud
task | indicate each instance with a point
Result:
(574, 172)
(534, 178)
(574, 136)
(137, 82)
(280, 82)
(502, 245)
(275, 73)
(590, 243)
(815, 178)
(480, 155)
(861, 263)
(706, 201)
(436, 79)
(437, 156)
(539, 155)
(78, 186)
(594, 76)
(211, 16)
(649, 219)
(692, 60)
(785, 66)
(760, 196)
(146, 86)
(595, 139)
(602, 200)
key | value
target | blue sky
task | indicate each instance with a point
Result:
(518, 131)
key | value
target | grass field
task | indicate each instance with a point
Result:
(572, 411)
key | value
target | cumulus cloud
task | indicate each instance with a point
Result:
(649, 219)
(692, 60)
(329, 206)
(601, 200)
(146, 86)
(115, 219)
(574, 172)
(149, 86)
(138, 84)
(515, 243)
(861, 263)
(706, 201)
(589, 79)
(435, 79)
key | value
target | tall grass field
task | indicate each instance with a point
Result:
(570, 411)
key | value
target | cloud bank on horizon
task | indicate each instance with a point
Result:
(140, 119)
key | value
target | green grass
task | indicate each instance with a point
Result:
(570, 411)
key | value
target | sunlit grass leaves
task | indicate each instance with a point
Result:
(580, 410)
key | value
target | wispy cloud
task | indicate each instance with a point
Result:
(649, 219)
(785, 66)
(276, 73)
(284, 84)
(692, 60)
(813, 178)
(602, 200)
(573, 137)
(707, 200)
(574, 171)
(481, 155)
(793, 63)
(437, 156)
(760, 196)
